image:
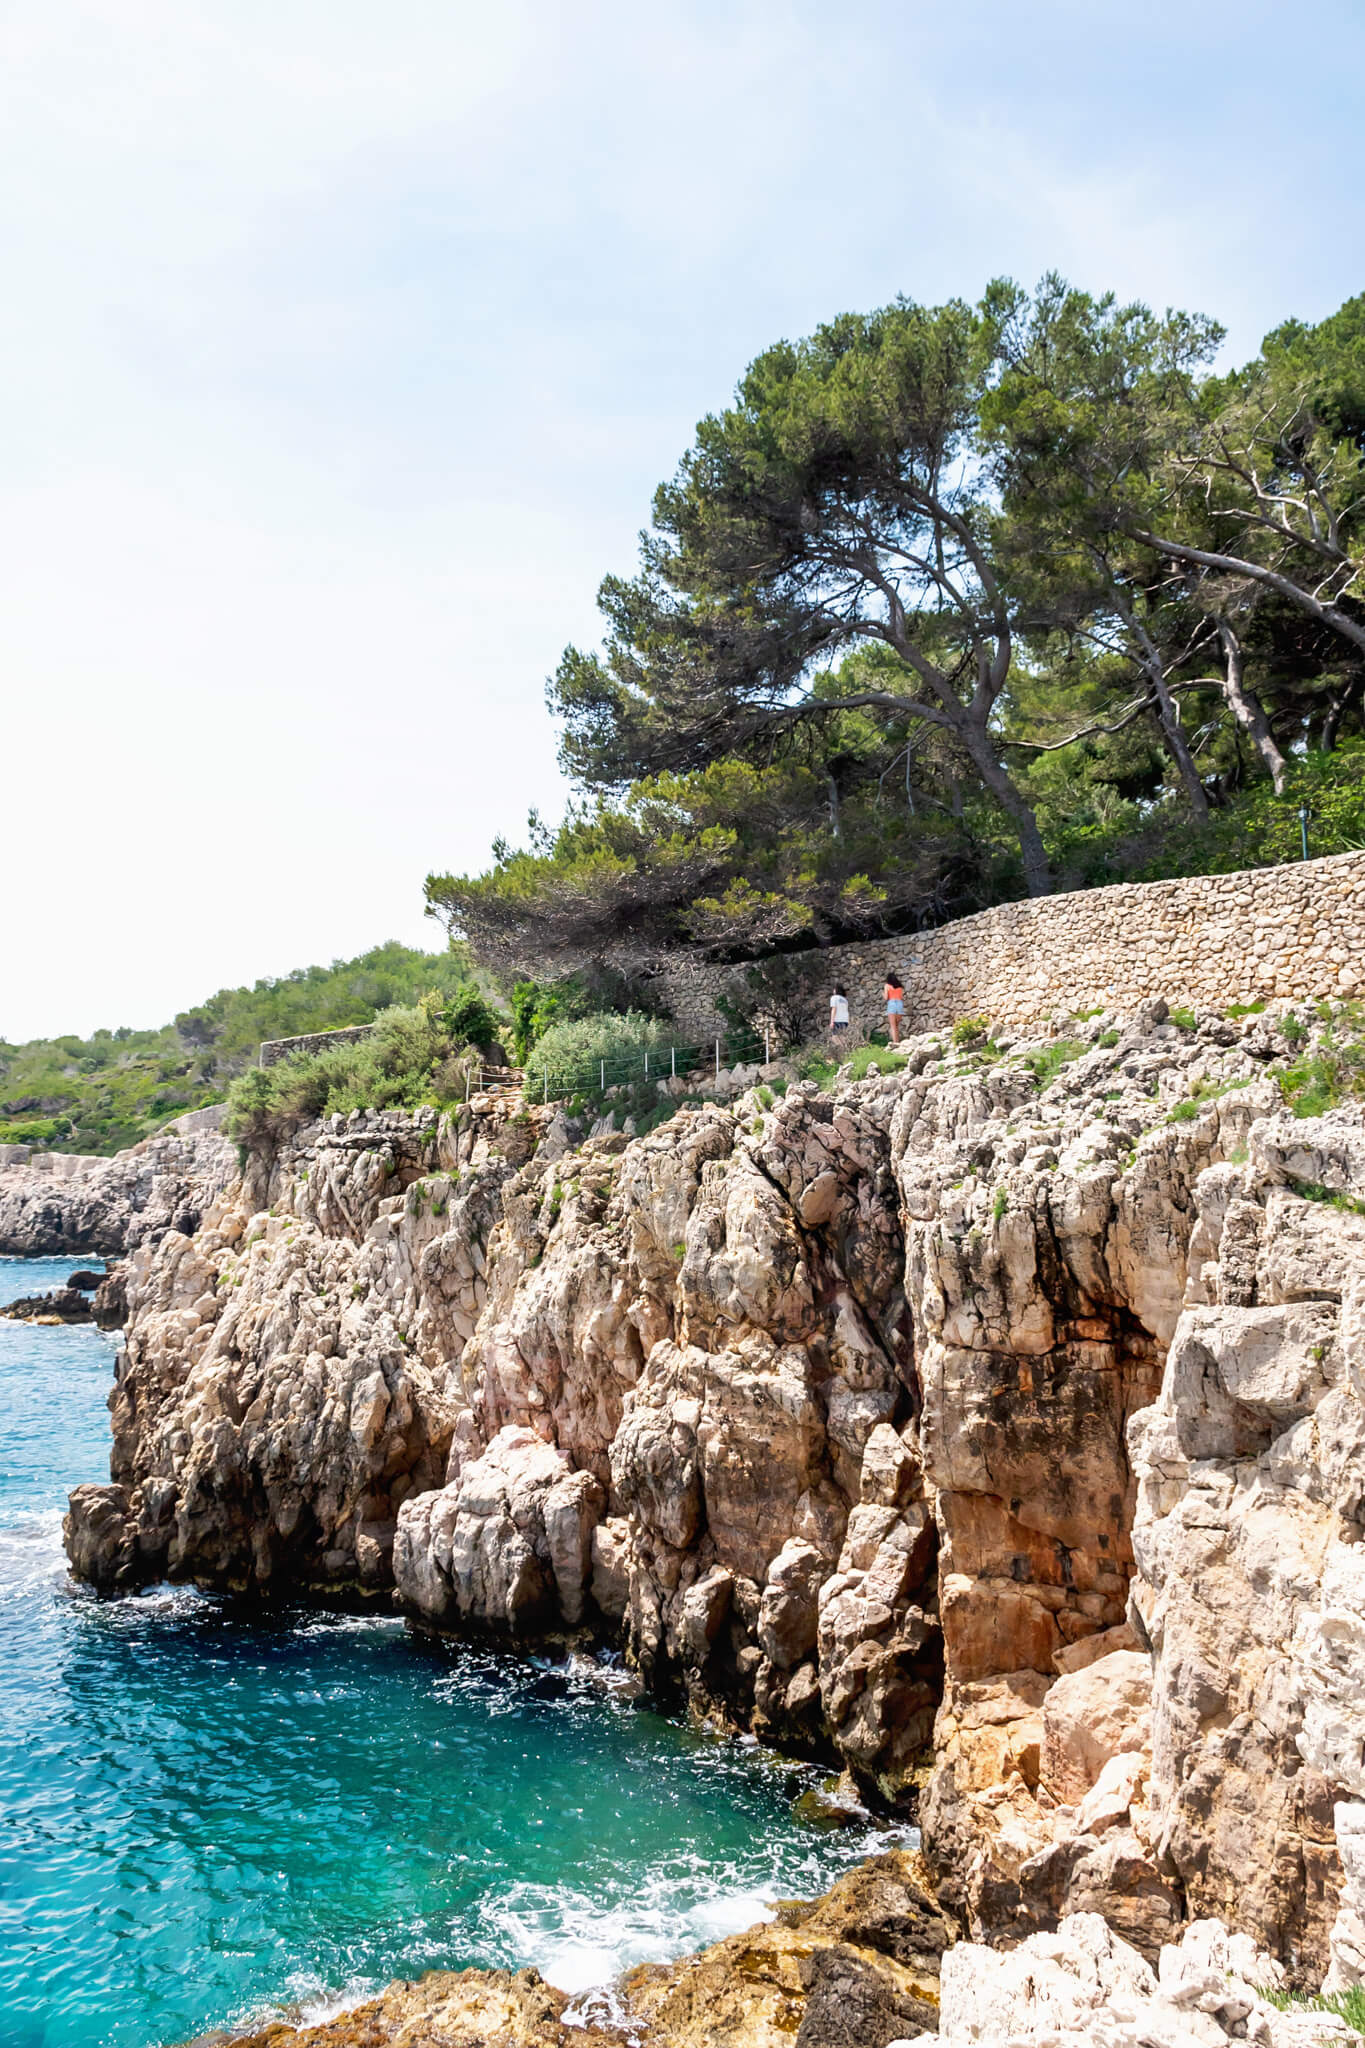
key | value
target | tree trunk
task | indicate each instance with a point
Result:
(1168, 711)
(1331, 725)
(1037, 871)
(1168, 717)
(1248, 710)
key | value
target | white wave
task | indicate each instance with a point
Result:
(31, 1554)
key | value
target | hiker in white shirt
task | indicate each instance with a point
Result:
(838, 1011)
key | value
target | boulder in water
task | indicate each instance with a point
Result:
(64, 1305)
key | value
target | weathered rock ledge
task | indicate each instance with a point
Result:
(854, 1968)
(870, 1965)
(995, 1428)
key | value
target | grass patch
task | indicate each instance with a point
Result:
(1046, 1064)
(999, 1205)
(1200, 1097)
(1313, 1191)
(1334, 1070)
(1185, 1019)
(1347, 2005)
(969, 1032)
(1108, 1039)
(1236, 1010)
(822, 1067)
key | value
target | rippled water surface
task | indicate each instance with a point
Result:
(204, 1815)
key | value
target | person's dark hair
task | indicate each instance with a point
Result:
(893, 978)
(839, 989)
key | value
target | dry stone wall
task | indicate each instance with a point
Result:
(1294, 932)
(276, 1049)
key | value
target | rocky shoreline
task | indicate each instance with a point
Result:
(66, 1204)
(994, 1428)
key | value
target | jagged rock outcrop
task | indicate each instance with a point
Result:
(1082, 1987)
(53, 1203)
(63, 1305)
(1007, 1406)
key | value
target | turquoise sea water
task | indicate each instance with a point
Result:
(206, 1815)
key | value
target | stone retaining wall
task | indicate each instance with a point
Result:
(1294, 932)
(276, 1049)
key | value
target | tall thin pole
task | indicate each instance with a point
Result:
(718, 1059)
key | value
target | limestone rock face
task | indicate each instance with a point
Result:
(56, 1202)
(1251, 1470)
(1005, 1411)
(1082, 1987)
(707, 1347)
(273, 1407)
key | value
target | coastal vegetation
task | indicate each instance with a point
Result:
(953, 604)
(425, 1052)
(98, 1094)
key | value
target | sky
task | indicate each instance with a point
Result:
(342, 347)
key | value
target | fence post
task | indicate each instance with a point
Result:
(767, 1047)
(718, 1059)
(646, 1063)
(672, 1062)
(545, 1077)
(603, 1083)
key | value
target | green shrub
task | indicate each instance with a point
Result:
(819, 1064)
(970, 1031)
(572, 1052)
(536, 1005)
(36, 1131)
(1000, 1204)
(1199, 1097)
(1108, 1039)
(469, 1019)
(409, 1058)
(1184, 1018)
(1236, 1010)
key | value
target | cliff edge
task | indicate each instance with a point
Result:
(994, 1427)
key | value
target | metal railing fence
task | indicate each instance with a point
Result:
(641, 1064)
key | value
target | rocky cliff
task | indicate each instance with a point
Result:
(993, 1427)
(52, 1203)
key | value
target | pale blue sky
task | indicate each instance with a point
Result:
(343, 346)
